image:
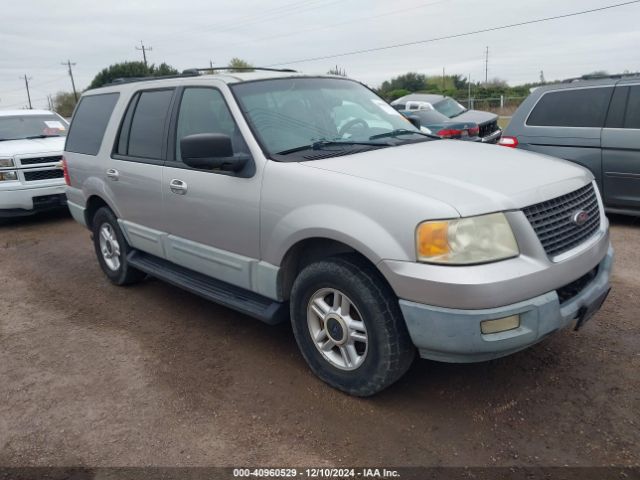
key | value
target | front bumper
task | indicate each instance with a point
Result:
(452, 335)
(23, 201)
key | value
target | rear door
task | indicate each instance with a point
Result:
(621, 150)
(567, 123)
(134, 171)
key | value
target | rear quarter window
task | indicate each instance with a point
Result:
(90, 122)
(585, 107)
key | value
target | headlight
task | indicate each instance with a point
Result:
(6, 162)
(465, 241)
(8, 175)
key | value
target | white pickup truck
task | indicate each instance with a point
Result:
(31, 145)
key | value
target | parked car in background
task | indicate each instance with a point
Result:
(594, 123)
(435, 123)
(31, 145)
(268, 193)
(488, 122)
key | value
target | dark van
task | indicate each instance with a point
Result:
(595, 123)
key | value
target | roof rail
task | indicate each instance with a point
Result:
(193, 71)
(121, 80)
(615, 76)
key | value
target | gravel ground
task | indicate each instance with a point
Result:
(96, 375)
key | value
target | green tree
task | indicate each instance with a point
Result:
(240, 65)
(130, 70)
(64, 103)
(409, 81)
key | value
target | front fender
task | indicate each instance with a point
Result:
(333, 222)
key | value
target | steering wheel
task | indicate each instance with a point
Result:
(350, 124)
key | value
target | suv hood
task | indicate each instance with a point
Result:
(9, 148)
(476, 116)
(472, 178)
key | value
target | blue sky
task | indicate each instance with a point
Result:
(38, 35)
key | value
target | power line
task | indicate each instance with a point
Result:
(347, 22)
(308, 5)
(144, 52)
(457, 35)
(73, 84)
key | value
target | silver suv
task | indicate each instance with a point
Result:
(290, 196)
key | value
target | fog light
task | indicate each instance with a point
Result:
(500, 324)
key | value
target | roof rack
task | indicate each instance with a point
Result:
(615, 76)
(194, 72)
(197, 71)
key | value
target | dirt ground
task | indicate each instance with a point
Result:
(96, 375)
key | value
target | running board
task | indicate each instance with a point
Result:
(237, 298)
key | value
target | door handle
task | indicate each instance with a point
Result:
(178, 186)
(113, 174)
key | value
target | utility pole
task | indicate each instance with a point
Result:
(50, 102)
(486, 67)
(26, 84)
(68, 64)
(469, 106)
(211, 64)
(144, 52)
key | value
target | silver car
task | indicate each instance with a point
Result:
(268, 193)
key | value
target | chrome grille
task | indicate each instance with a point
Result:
(553, 220)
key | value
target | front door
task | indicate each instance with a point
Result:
(212, 216)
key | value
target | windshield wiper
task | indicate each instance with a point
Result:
(32, 137)
(320, 144)
(401, 131)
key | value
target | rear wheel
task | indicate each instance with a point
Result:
(112, 249)
(349, 327)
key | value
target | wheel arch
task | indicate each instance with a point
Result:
(309, 250)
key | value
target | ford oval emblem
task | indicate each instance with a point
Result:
(580, 218)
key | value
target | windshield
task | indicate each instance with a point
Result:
(292, 113)
(449, 107)
(19, 127)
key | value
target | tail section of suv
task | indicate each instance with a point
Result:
(31, 145)
(268, 193)
(593, 123)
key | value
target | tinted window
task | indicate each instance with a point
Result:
(632, 119)
(146, 135)
(585, 107)
(203, 110)
(90, 122)
(615, 118)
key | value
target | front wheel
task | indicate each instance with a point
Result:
(348, 326)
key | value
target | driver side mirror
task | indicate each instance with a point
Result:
(211, 151)
(414, 120)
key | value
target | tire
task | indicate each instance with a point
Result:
(379, 354)
(113, 261)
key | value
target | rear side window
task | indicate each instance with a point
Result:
(143, 128)
(90, 122)
(615, 118)
(632, 118)
(585, 107)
